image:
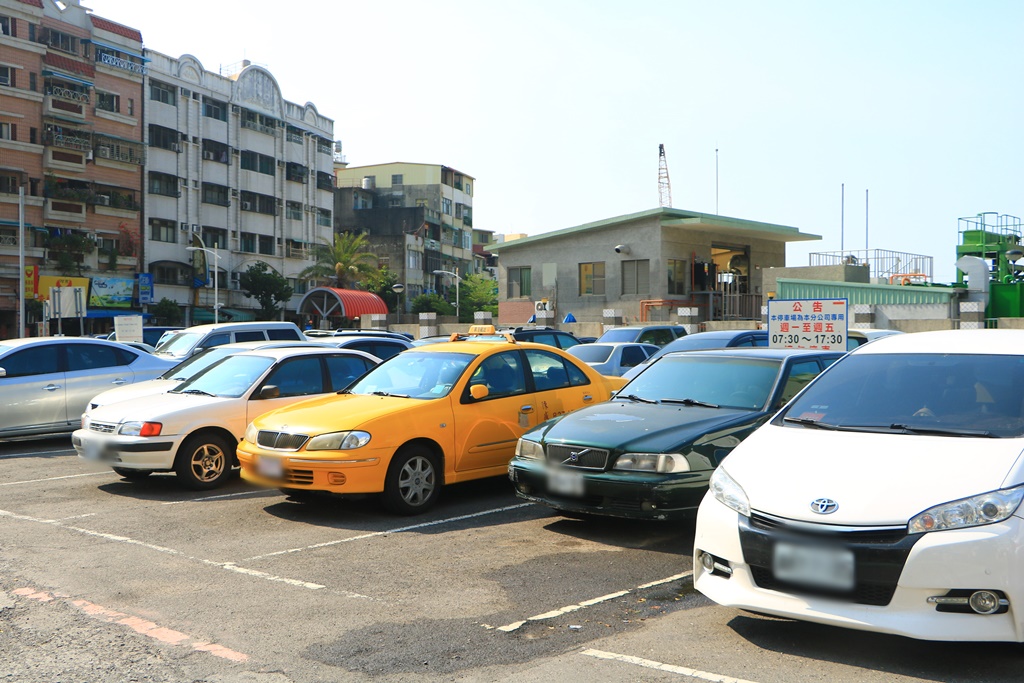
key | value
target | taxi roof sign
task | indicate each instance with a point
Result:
(480, 331)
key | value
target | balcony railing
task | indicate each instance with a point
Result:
(118, 63)
(262, 128)
(67, 94)
(77, 143)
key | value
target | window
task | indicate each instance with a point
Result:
(636, 277)
(6, 26)
(446, 206)
(632, 356)
(109, 102)
(458, 210)
(59, 40)
(32, 81)
(168, 275)
(161, 92)
(7, 76)
(215, 194)
(345, 369)
(8, 183)
(267, 245)
(215, 238)
(131, 107)
(592, 278)
(8, 131)
(163, 230)
(323, 217)
(676, 276)
(36, 360)
(247, 242)
(164, 138)
(260, 203)
(296, 173)
(551, 372)
(468, 190)
(324, 181)
(163, 183)
(501, 373)
(260, 163)
(89, 357)
(396, 179)
(259, 122)
(216, 151)
(215, 109)
(293, 210)
(298, 377)
(519, 283)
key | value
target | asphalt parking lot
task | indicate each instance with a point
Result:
(102, 579)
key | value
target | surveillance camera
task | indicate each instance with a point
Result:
(622, 249)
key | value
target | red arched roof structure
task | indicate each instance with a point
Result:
(334, 302)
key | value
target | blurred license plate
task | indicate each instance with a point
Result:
(91, 449)
(271, 468)
(565, 482)
(813, 566)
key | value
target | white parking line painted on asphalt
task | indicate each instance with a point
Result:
(261, 492)
(69, 450)
(375, 534)
(229, 566)
(508, 628)
(69, 476)
(659, 666)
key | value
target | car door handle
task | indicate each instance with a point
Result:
(119, 381)
(588, 397)
(526, 409)
(51, 387)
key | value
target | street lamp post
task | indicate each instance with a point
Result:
(398, 288)
(216, 298)
(457, 281)
(21, 261)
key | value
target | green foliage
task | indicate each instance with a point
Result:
(380, 283)
(432, 303)
(343, 263)
(69, 252)
(478, 293)
(167, 312)
(267, 286)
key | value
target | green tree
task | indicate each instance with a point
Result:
(343, 263)
(432, 303)
(478, 293)
(267, 286)
(167, 311)
(380, 283)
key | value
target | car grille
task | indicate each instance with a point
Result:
(879, 555)
(298, 476)
(102, 427)
(577, 456)
(280, 441)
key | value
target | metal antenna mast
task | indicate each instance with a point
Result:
(664, 185)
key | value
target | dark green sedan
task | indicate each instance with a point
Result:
(648, 452)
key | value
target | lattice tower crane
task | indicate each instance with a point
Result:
(664, 185)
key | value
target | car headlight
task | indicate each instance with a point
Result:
(140, 429)
(338, 441)
(663, 463)
(987, 508)
(529, 449)
(251, 432)
(727, 492)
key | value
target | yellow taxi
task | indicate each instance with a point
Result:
(430, 416)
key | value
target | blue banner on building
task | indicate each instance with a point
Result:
(145, 288)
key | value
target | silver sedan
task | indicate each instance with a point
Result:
(613, 358)
(46, 382)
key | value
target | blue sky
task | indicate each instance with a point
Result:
(557, 107)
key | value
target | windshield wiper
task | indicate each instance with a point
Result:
(638, 399)
(200, 392)
(387, 393)
(945, 431)
(690, 402)
(811, 422)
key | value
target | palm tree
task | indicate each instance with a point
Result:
(345, 262)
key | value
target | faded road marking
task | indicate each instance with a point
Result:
(508, 628)
(262, 492)
(375, 534)
(69, 476)
(659, 666)
(139, 625)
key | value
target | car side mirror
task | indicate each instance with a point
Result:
(269, 391)
(478, 391)
(3, 372)
(198, 349)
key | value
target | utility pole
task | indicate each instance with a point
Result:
(664, 186)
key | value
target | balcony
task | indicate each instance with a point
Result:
(296, 252)
(79, 141)
(124, 64)
(259, 127)
(65, 102)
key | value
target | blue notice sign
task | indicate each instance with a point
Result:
(145, 288)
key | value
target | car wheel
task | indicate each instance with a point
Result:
(132, 474)
(204, 461)
(413, 481)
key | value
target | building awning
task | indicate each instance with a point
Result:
(122, 50)
(66, 77)
(329, 302)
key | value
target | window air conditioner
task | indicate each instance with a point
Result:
(208, 155)
(104, 152)
(183, 227)
(246, 206)
(543, 305)
(103, 200)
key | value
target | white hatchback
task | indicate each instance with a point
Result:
(193, 428)
(885, 497)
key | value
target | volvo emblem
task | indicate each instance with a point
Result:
(574, 456)
(824, 506)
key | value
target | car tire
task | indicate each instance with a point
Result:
(131, 474)
(413, 482)
(204, 461)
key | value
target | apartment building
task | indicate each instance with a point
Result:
(233, 169)
(71, 154)
(419, 218)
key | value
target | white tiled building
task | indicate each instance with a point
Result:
(232, 163)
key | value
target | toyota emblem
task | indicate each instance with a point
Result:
(824, 506)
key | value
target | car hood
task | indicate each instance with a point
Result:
(336, 412)
(168, 408)
(640, 427)
(130, 392)
(876, 479)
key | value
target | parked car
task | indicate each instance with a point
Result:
(140, 346)
(649, 452)
(46, 382)
(718, 339)
(151, 334)
(430, 416)
(542, 335)
(382, 347)
(858, 336)
(659, 335)
(184, 343)
(613, 358)
(187, 369)
(193, 428)
(372, 333)
(885, 498)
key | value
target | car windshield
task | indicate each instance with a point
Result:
(944, 395)
(230, 377)
(592, 353)
(414, 374)
(620, 335)
(180, 343)
(726, 381)
(192, 366)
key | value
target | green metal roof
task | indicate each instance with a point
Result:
(860, 293)
(680, 218)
